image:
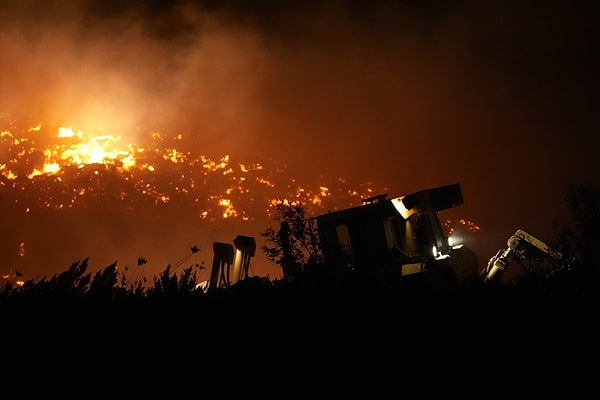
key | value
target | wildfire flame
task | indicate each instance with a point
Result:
(72, 158)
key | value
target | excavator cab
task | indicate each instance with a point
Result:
(399, 236)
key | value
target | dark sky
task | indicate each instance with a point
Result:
(499, 96)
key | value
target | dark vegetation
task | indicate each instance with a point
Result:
(306, 315)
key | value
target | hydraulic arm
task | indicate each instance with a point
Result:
(520, 246)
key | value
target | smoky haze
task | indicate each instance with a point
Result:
(402, 95)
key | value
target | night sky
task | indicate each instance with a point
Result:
(373, 96)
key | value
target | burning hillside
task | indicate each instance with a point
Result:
(54, 175)
(68, 194)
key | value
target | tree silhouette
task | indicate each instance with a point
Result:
(581, 240)
(295, 245)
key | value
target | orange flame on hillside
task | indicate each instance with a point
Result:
(79, 163)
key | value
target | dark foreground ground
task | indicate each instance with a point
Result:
(292, 341)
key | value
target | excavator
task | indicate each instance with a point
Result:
(403, 236)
